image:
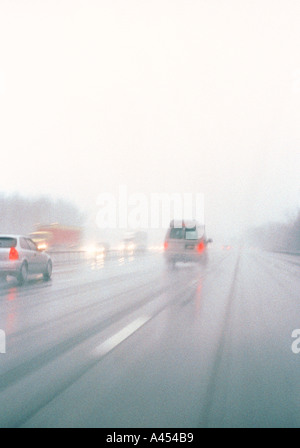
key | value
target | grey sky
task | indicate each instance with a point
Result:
(162, 96)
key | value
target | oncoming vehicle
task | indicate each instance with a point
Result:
(20, 257)
(134, 242)
(186, 241)
(98, 251)
(102, 249)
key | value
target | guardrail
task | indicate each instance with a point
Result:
(75, 256)
(68, 256)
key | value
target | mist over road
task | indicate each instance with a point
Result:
(129, 343)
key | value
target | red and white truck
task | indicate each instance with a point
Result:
(57, 237)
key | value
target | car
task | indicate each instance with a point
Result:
(101, 250)
(97, 251)
(20, 257)
(186, 241)
(134, 242)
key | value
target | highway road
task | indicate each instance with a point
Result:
(130, 344)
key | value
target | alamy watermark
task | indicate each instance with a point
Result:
(2, 342)
(148, 211)
(296, 343)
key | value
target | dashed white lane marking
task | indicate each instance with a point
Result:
(111, 343)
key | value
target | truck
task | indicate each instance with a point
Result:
(57, 237)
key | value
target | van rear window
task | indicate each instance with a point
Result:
(7, 243)
(191, 234)
(177, 234)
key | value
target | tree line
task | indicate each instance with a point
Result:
(21, 215)
(278, 236)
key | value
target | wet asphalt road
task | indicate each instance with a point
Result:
(128, 344)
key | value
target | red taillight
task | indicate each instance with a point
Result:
(166, 245)
(201, 247)
(13, 254)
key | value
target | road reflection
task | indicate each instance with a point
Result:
(11, 316)
(199, 296)
(12, 294)
(98, 262)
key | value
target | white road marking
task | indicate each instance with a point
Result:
(111, 343)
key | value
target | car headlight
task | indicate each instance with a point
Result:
(42, 246)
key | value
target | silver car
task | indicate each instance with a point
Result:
(186, 241)
(20, 257)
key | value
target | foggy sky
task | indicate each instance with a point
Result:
(161, 96)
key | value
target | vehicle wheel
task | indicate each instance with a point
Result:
(48, 274)
(23, 275)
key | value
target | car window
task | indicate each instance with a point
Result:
(7, 243)
(24, 245)
(177, 234)
(191, 234)
(31, 244)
